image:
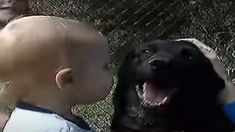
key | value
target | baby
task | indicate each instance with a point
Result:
(49, 64)
(10, 9)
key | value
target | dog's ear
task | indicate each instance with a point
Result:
(125, 75)
(204, 85)
(211, 80)
(210, 76)
(125, 65)
(217, 81)
(120, 94)
(203, 80)
(121, 52)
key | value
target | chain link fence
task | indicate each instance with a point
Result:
(127, 23)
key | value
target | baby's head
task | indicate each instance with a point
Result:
(50, 59)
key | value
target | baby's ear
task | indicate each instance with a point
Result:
(64, 78)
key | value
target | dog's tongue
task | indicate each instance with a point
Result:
(153, 93)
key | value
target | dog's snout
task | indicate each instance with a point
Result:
(159, 63)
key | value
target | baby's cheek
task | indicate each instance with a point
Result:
(92, 80)
(106, 83)
(101, 83)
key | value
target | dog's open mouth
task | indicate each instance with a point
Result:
(152, 95)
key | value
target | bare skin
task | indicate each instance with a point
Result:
(10, 9)
(54, 66)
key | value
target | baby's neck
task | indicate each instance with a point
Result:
(47, 101)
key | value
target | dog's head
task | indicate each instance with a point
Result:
(163, 76)
(160, 69)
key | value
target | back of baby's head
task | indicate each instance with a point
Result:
(37, 54)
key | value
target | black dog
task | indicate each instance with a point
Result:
(168, 86)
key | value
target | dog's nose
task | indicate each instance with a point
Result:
(158, 63)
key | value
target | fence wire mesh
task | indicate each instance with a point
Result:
(127, 23)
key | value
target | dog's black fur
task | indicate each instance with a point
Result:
(184, 74)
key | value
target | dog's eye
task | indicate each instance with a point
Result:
(186, 53)
(146, 51)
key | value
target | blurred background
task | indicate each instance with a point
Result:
(128, 23)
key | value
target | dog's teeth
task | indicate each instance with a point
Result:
(164, 100)
(144, 87)
(146, 101)
(138, 91)
(137, 86)
(158, 104)
(150, 104)
(144, 95)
